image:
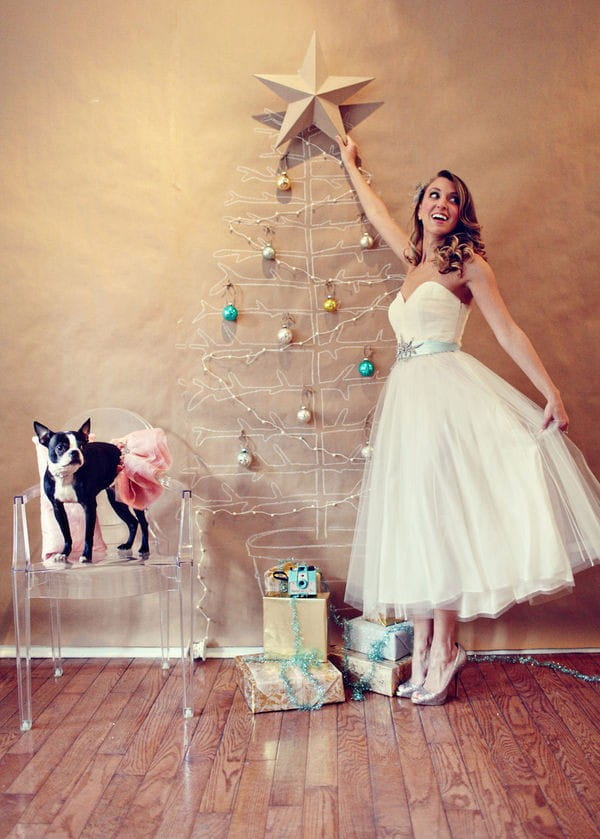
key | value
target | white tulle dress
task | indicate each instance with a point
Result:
(465, 504)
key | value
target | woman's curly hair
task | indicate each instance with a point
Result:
(459, 245)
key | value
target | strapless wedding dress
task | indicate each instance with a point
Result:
(466, 504)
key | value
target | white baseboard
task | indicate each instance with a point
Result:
(8, 651)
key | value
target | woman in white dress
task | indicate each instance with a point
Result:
(472, 500)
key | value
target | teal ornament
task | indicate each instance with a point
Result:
(366, 368)
(230, 312)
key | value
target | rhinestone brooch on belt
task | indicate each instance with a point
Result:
(406, 349)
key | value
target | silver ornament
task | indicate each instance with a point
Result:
(285, 336)
(366, 241)
(245, 458)
(304, 415)
(268, 252)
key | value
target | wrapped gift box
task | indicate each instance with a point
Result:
(383, 619)
(391, 642)
(264, 687)
(379, 676)
(278, 588)
(283, 615)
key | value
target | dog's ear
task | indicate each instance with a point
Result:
(42, 432)
(85, 429)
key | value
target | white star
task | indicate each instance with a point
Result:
(314, 96)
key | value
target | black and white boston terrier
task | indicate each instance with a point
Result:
(77, 472)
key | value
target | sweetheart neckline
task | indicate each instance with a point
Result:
(429, 282)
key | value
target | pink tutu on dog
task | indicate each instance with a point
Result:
(145, 457)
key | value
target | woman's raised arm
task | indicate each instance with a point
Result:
(372, 205)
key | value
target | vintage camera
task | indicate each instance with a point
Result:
(302, 581)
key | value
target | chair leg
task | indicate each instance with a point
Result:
(23, 646)
(164, 607)
(55, 637)
(186, 580)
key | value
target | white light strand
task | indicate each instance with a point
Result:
(265, 422)
(199, 644)
(256, 511)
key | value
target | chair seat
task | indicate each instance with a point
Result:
(112, 578)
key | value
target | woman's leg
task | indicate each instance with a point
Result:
(443, 649)
(423, 634)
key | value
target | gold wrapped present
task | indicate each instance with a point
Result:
(277, 587)
(295, 625)
(378, 676)
(281, 686)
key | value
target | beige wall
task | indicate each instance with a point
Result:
(124, 127)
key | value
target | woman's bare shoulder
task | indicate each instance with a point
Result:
(477, 270)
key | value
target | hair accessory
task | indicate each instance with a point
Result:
(417, 192)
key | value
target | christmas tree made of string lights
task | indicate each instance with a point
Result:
(291, 349)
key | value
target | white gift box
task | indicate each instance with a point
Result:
(390, 642)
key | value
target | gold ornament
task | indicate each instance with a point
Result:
(330, 304)
(283, 182)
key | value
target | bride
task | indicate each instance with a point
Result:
(473, 500)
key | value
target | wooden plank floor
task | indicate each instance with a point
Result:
(517, 755)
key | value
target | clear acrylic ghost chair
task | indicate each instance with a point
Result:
(166, 571)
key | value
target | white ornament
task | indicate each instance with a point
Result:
(245, 458)
(285, 336)
(366, 241)
(366, 451)
(304, 415)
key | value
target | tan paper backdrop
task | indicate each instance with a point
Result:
(126, 124)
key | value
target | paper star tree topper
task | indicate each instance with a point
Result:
(314, 96)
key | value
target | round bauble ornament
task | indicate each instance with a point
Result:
(366, 368)
(268, 252)
(245, 458)
(330, 304)
(285, 336)
(230, 312)
(283, 182)
(366, 451)
(366, 241)
(304, 415)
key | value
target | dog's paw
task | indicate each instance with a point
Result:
(126, 546)
(55, 561)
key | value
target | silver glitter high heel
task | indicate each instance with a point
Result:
(406, 689)
(427, 697)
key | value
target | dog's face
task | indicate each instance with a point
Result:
(65, 448)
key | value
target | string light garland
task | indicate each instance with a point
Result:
(199, 644)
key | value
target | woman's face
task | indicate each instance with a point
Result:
(440, 207)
